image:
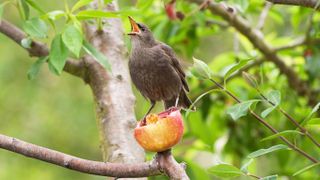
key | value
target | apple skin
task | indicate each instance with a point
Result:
(162, 132)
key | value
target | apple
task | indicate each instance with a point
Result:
(161, 131)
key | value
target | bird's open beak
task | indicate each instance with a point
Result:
(134, 27)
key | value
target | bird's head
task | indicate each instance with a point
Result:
(140, 34)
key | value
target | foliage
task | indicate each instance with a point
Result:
(57, 111)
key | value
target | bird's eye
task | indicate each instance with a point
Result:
(141, 27)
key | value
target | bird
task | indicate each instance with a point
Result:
(155, 69)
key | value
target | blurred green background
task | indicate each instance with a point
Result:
(58, 111)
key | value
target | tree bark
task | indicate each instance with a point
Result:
(112, 92)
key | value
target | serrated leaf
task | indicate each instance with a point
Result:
(315, 109)
(88, 14)
(73, 39)
(80, 4)
(241, 109)
(282, 133)
(228, 71)
(274, 96)
(272, 177)
(97, 55)
(53, 15)
(306, 169)
(36, 27)
(244, 168)
(261, 152)
(26, 42)
(35, 67)
(58, 54)
(35, 6)
(200, 69)
(225, 171)
(267, 111)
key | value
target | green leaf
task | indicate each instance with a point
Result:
(200, 69)
(241, 109)
(80, 4)
(306, 169)
(98, 56)
(244, 168)
(26, 9)
(35, 67)
(58, 54)
(274, 96)
(35, 6)
(72, 38)
(250, 79)
(228, 71)
(53, 15)
(26, 42)
(272, 177)
(144, 4)
(261, 152)
(282, 133)
(225, 171)
(315, 109)
(87, 14)
(314, 121)
(2, 7)
(36, 27)
(107, 1)
(267, 111)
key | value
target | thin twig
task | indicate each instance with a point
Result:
(254, 36)
(295, 122)
(78, 164)
(296, 43)
(263, 15)
(304, 3)
(162, 163)
(266, 124)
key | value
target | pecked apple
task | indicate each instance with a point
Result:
(160, 131)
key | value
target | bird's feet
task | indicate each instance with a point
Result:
(143, 122)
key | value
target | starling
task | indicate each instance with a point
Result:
(155, 69)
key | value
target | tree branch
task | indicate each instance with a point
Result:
(263, 15)
(256, 38)
(266, 124)
(112, 91)
(164, 162)
(38, 49)
(303, 3)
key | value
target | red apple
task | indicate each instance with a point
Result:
(160, 132)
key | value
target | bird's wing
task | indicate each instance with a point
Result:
(175, 63)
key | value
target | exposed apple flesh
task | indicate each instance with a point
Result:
(161, 132)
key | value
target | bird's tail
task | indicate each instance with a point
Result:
(184, 101)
